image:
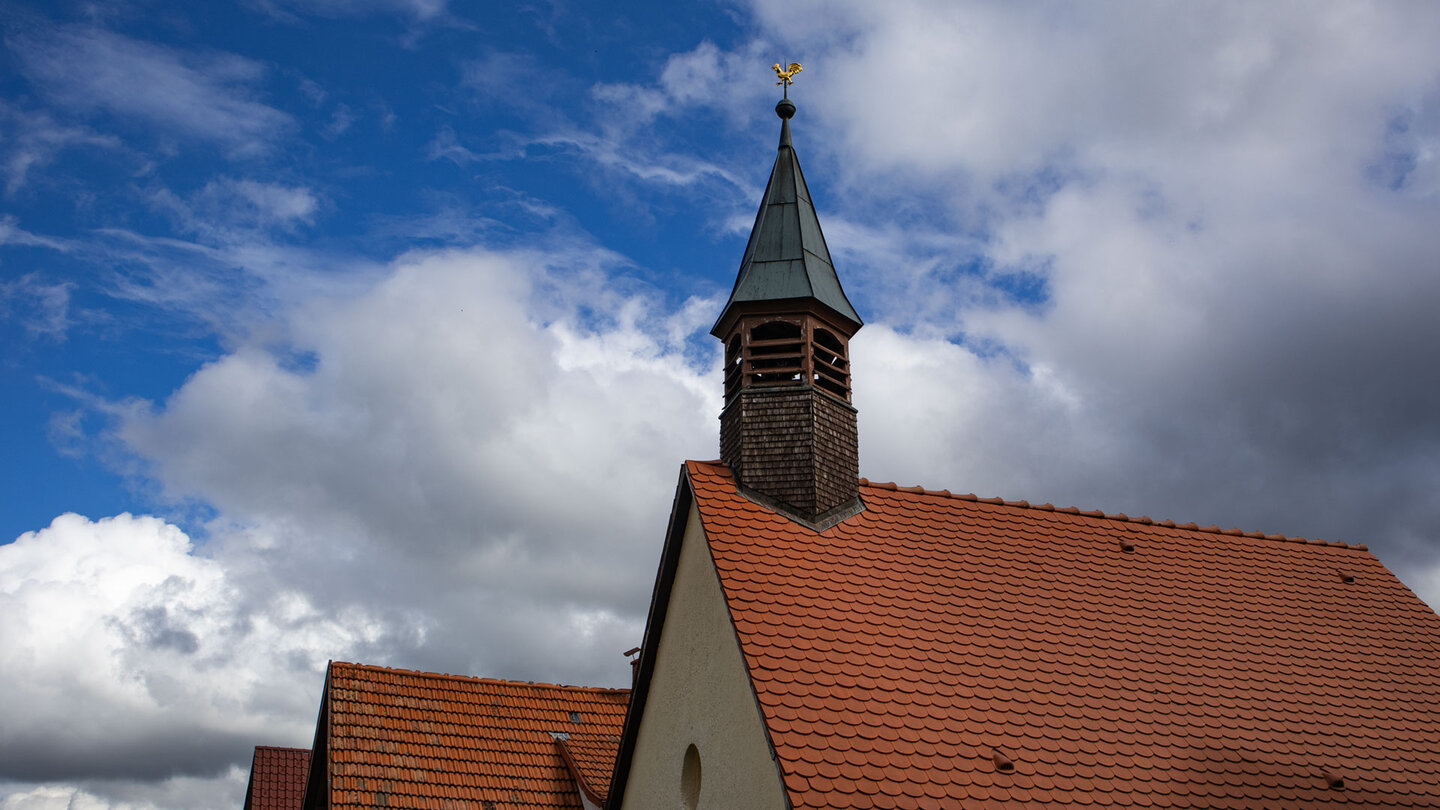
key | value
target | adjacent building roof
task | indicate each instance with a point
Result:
(277, 778)
(591, 759)
(402, 739)
(942, 650)
(786, 257)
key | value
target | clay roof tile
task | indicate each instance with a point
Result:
(1208, 668)
(436, 740)
(277, 778)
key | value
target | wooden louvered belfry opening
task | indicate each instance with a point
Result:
(770, 350)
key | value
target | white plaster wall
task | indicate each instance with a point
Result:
(700, 695)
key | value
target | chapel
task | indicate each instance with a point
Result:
(818, 640)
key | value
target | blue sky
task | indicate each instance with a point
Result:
(377, 330)
(367, 139)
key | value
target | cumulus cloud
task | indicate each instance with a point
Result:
(448, 471)
(447, 445)
(1192, 254)
(128, 653)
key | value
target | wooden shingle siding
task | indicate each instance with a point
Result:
(793, 444)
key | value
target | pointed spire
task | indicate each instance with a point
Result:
(786, 257)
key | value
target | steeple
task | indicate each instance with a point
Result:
(788, 431)
(786, 257)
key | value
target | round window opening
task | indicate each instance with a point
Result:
(690, 779)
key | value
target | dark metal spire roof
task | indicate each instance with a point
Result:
(786, 257)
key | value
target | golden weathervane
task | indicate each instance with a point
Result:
(786, 75)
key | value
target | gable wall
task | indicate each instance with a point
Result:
(700, 695)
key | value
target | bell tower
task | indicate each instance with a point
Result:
(788, 429)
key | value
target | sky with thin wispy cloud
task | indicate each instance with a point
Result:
(377, 330)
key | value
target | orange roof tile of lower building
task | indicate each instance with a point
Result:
(946, 651)
(591, 761)
(403, 739)
(277, 778)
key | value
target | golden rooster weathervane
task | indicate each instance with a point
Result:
(786, 75)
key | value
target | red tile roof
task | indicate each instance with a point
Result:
(403, 739)
(277, 778)
(947, 651)
(591, 759)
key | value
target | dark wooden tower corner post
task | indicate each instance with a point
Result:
(788, 429)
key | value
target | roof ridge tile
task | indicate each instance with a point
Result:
(445, 676)
(1143, 520)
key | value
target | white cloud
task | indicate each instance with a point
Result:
(34, 139)
(1425, 581)
(209, 97)
(706, 76)
(55, 797)
(419, 9)
(1233, 244)
(619, 156)
(449, 460)
(992, 88)
(513, 79)
(267, 202)
(43, 309)
(230, 210)
(447, 446)
(51, 797)
(181, 791)
(445, 145)
(128, 653)
(341, 119)
(12, 234)
(234, 274)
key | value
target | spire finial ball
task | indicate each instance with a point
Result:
(785, 108)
